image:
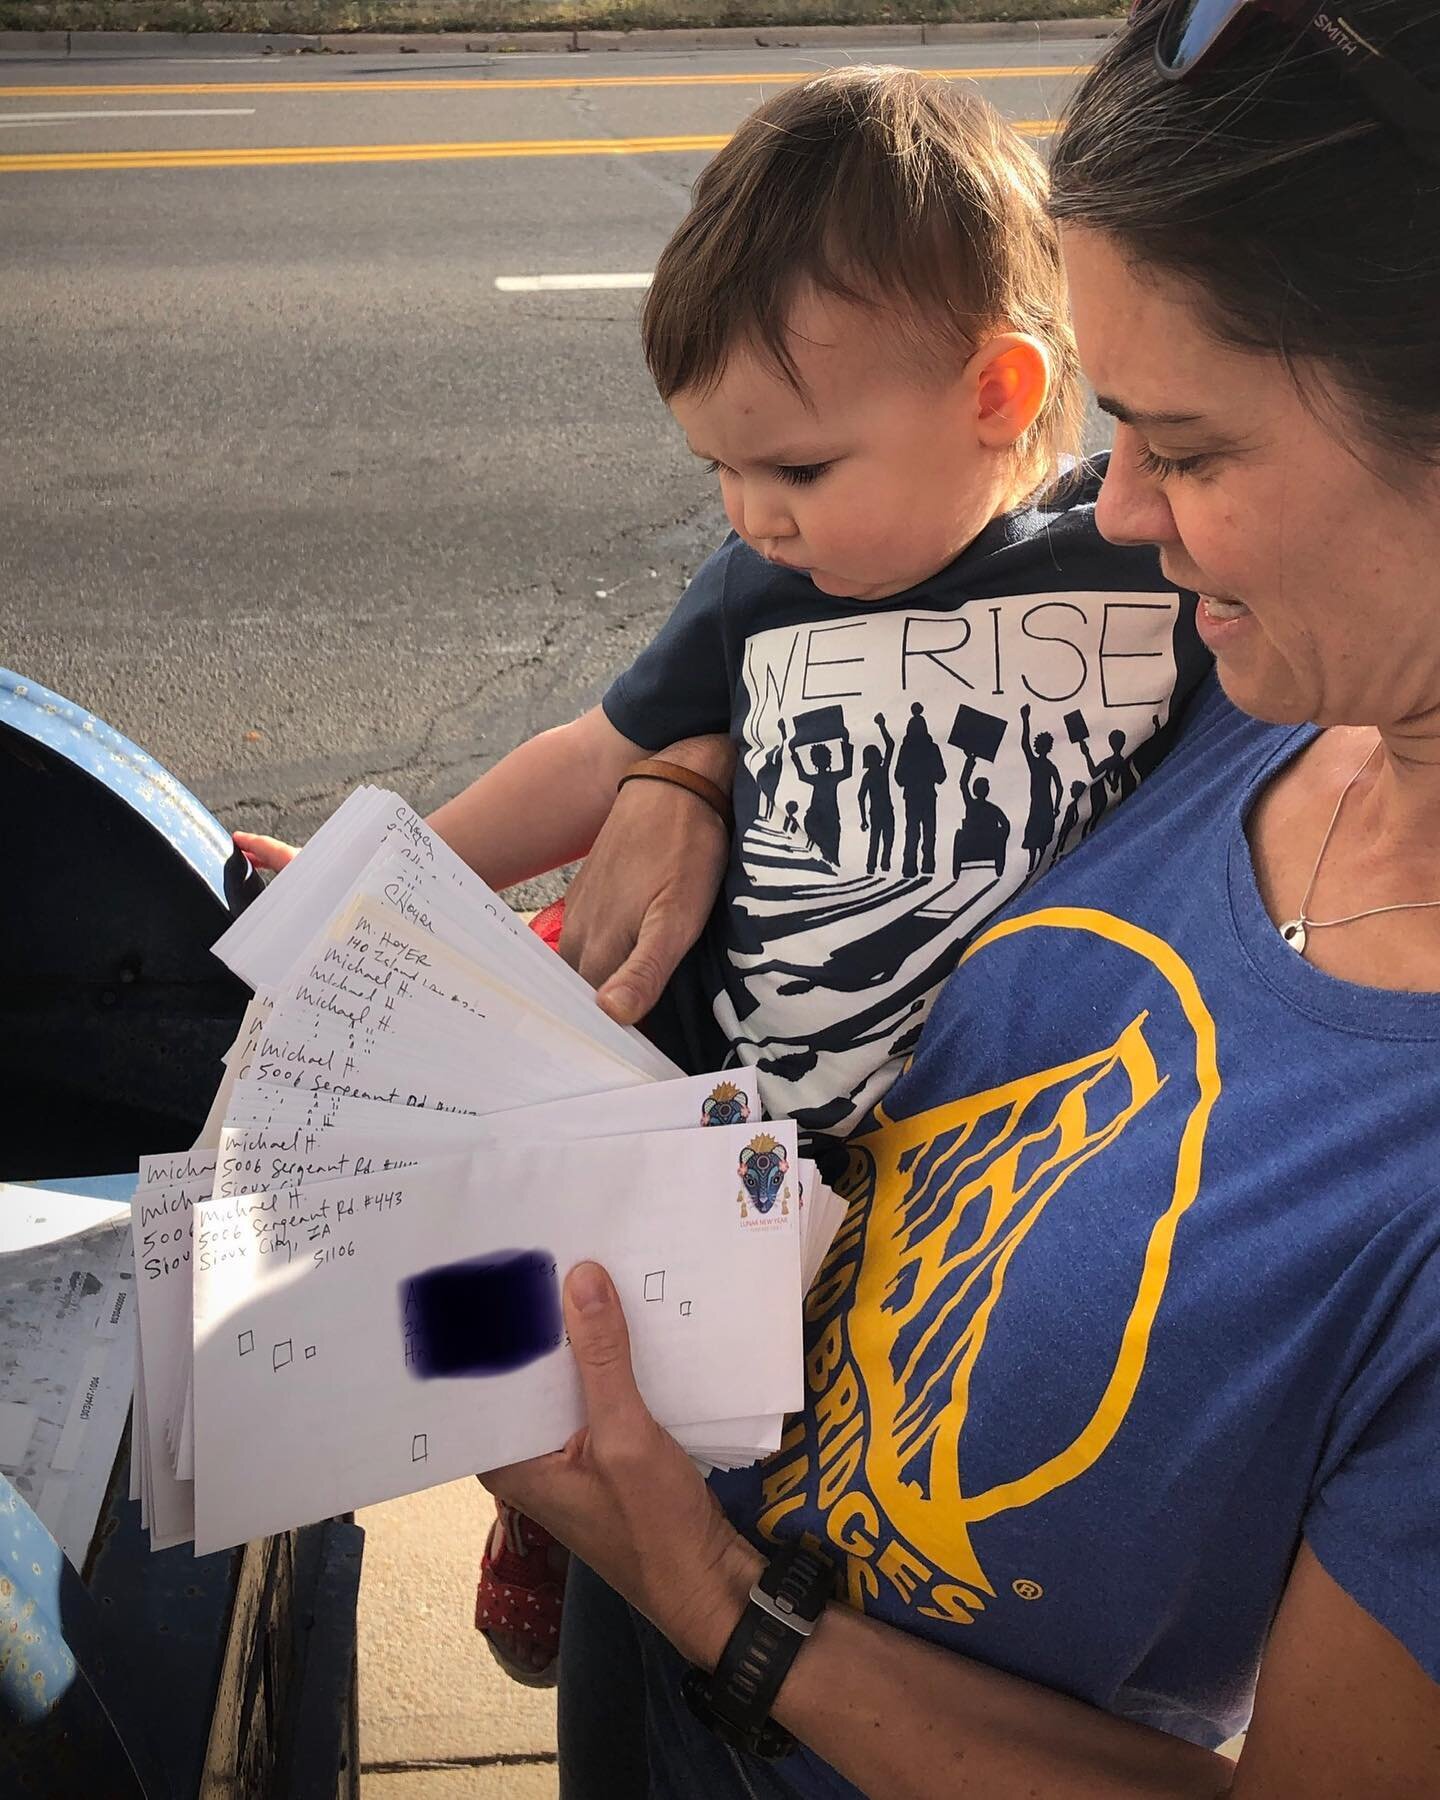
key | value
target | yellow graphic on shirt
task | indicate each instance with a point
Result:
(941, 1203)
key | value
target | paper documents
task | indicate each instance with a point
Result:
(67, 1353)
(350, 1288)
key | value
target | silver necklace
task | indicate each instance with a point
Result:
(1296, 931)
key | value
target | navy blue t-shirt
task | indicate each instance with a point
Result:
(905, 766)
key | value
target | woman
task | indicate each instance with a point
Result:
(1124, 1372)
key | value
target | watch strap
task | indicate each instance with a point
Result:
(793, 1587)
(783, 1608)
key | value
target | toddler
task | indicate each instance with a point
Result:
(860, 327)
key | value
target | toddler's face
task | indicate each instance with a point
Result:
(868, 482)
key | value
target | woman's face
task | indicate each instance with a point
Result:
(1320, 579)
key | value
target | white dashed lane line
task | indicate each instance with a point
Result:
(149, 112)
(553, 284)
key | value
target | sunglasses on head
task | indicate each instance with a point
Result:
(1193, 34)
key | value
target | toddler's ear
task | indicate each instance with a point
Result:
(1012, 382)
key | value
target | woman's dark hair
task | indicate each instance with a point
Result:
(1308, 224)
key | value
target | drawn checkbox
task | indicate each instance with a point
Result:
(247, 1342)
(309, 1352)
(684, 1309)
(655, 1285)
(282, 1354)
(420, 1447)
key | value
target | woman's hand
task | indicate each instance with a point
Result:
(646, 888)
(264, 852)
(626, 1498)
(895, 1714)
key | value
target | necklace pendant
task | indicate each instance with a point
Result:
(1294, 935)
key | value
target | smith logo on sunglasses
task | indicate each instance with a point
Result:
(1197, 34)
(1342, 36)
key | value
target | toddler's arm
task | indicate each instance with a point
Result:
(539, 807)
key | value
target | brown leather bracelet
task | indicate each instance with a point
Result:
(653, 769)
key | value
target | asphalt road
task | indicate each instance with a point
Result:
(290, 492)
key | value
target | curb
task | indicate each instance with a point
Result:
(770, 37)
(553, 43)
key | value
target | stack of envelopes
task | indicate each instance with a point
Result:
(350, 1289)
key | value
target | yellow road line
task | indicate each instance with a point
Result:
(348, 153)
(476, 82)
(70, 162)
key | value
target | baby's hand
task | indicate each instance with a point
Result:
(264, 852)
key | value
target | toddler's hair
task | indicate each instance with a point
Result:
(885, 188)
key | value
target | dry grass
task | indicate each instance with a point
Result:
(309, 16)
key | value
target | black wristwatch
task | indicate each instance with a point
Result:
(785, 1604)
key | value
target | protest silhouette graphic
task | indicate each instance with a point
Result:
(919, 774)
(844, 915)
(877, 805)
(1073, 825)
(1046, 791)
(985, 829)
(773, 767)
(822, 816)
